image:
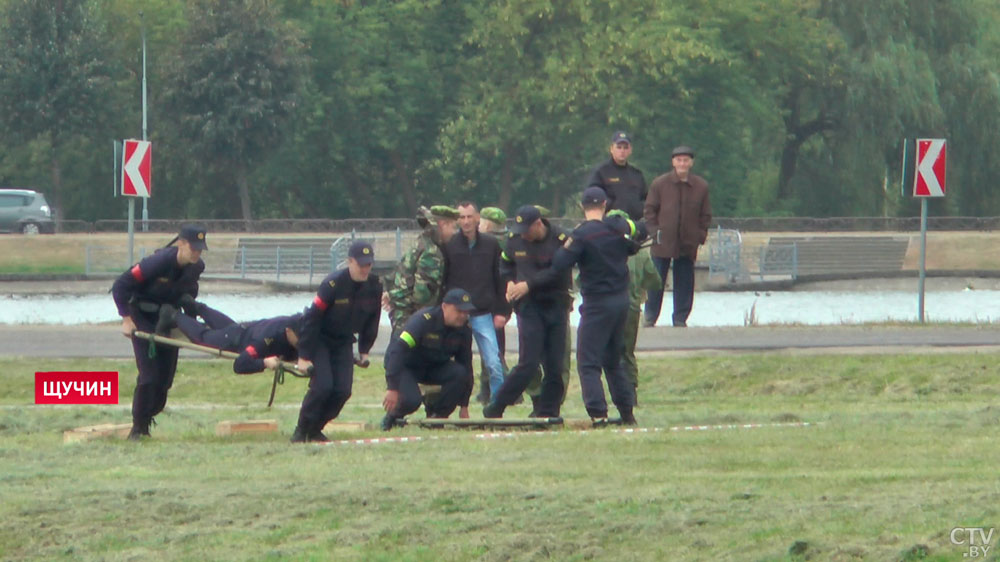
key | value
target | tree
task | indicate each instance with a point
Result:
(56, 83)
(233, 87)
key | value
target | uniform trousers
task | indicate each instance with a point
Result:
(452, 377)
(542, 329)
(330, 385)
(599, 346)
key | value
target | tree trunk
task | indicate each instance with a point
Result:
(506, 176)
(56, 194)
(404, 180)
(243, 186)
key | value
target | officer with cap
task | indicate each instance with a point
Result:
(345, 310)
(419, 277)
(542, 303)
(623, 183)
(601, 246)
(434, 347)
(152, 287)
(678, 213)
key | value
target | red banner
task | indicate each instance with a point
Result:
(76, 387)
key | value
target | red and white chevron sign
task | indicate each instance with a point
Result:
(929, 179)
(136, 174)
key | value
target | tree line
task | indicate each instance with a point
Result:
(368, 108)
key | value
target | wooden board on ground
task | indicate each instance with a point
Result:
(89, 432)
(430, 388)
(586, 423)
(248, 426)
(491, 423)
(347, 426)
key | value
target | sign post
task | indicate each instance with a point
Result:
(929, 181)
(136, 182)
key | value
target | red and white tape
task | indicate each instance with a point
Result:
(623, 431)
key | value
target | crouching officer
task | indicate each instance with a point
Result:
(435, 347)
(347, 303)
(542, 307)
(601, 246)
(158, 281)
(261, 344)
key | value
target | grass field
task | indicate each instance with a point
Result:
(902, 452)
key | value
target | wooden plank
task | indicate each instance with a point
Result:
(90, 432)
(248, 426)
(347, 426)
(426, 389)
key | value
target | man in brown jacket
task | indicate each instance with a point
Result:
(677, 213)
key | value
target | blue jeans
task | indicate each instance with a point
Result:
(489, 350)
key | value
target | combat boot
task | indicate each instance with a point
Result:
(167, 320)
(628, 418)
(140, 429)
(390, 421)
(493, 410)
(299, 435)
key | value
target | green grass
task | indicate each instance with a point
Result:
(904, 451)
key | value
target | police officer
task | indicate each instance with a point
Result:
(541, 306)
(347, 303)
(434, 347)
(601, 246)
(261, 344)
(623, 183)
(418, 279)
(158, 281)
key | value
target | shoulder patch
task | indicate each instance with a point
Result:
(510, 235)
(427, 315)
(332, 284)
(562, 236)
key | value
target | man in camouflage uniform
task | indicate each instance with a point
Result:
(419, 276)
(642, 277)
(493, 221)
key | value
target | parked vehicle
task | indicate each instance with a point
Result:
(25, 211)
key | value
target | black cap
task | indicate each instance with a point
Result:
(362, 252)
(681, 151)
(195, 235)
(525, 217)
(460, 298)
(620, 136)
(593, 194)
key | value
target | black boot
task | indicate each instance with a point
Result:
(316, 435)
(140, 429)
(390, 421)
(299, 435)
(167, 319)
(628, 418)
(493, 410)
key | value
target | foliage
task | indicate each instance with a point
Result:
(303, 108)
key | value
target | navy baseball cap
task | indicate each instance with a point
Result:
(195, 235)
(460, 298)
(525, 217)
(593, 194)
(362, 252)
(620, 136)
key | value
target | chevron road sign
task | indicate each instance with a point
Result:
(136, 173)
(929, 179)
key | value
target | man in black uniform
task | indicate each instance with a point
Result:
(261, 344)
(347, 303)
(435, 347)
(623, 183)
(158, 281)
(601, 246)
(541, 303)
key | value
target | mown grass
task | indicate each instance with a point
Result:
(904, 451)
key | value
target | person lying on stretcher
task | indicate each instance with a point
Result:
(261, 344)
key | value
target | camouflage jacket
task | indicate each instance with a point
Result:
(418, 279)
(642, 277)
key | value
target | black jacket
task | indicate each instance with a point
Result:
(426, 342)
(155, 280)
(625, 186)
(524, 260)
(601, 248)
(342, 307)
(477, 270)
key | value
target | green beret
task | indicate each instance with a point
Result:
(618, 213)
(494, 214)
(444, 212)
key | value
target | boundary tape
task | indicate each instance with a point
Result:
(515, 434)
